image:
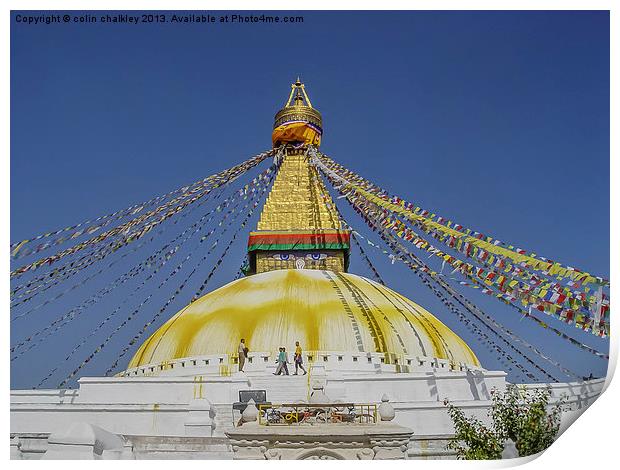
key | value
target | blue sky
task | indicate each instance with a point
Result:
(498, 120)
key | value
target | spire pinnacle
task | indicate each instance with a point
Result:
(298, 95)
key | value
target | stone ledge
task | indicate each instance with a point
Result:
(381, 441)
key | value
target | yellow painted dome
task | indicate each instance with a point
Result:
(323, 310)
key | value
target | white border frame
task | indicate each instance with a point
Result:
(590, 441)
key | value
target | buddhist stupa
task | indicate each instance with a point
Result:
(298, 287)
(378, 362)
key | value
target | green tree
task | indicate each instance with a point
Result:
(521, 415)
(472, 439)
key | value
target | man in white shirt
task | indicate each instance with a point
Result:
(242, 354)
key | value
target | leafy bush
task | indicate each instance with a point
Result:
(517, 414)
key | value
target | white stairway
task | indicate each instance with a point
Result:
(280, 388)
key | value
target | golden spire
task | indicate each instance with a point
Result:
(299, 227)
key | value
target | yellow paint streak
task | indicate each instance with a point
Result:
(198, 390)
(155, 410)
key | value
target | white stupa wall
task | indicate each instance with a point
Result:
(163, 406)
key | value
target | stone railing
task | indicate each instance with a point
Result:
(225, 364)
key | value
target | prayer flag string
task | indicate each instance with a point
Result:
(72, 314)
(437, 276)
(17, 248)
(498, 330)
(396, 204)
(458, 297)
(505, 359)
(525, 314)
(145, 327)
(247, 189)
(72, 267)
(575, 308)
(53, 281)
(166, 210)
(194, 229)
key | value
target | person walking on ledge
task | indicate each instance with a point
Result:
(279, 362)
(243, 353)
(298, 359)
(285, 360)
(282, 361)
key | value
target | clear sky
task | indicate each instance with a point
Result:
(498, 120)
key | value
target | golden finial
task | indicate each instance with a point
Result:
(298, 112)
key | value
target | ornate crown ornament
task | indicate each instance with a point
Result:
(297, 113)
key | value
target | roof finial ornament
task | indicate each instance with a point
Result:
(297, 122)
